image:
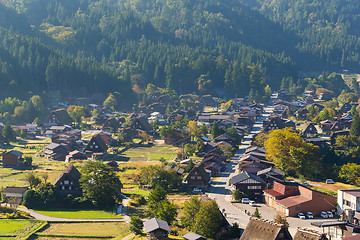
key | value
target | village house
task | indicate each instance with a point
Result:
(12, 159)
(302, 114)
(290, 199)
(14, 194)
(156, 229)
(60, 116)
(335, 134)
(271, 174)
(96, 145)
(198, 178)
(112, 124)
(260, 229)
(252, 164)
(55, 151)
(308, 129)
(308, 234)
(68, 182)
(75, 155)
(272, 123)
(326, 125)
(249, 184)
(344, 108)
(141, 123)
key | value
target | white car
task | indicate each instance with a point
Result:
(329, 181)
(252, 203)
(245, 200)
(323, 215)
(330, 214)
(309, 215)
(301, 216)
(197, 190)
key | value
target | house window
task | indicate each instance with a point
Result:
(198, 177)
(192, 177)
(66, 182)
(254, 187)
(63, 187)
(96, 146)
(69, 187)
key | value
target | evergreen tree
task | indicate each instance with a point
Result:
(215, 130)
(355, 126)
(8, 133)
(136, 225)
(256, 213)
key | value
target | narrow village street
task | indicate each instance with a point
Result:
(240, 213)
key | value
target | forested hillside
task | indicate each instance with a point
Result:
(81, 47)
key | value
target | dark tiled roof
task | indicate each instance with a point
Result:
(193, 236)
(20, 190)
(271, 169)
(14, 152)
(154, 224)
(243, 176)
(52, 146)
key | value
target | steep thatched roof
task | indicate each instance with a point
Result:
(258, 229)
(306, 234)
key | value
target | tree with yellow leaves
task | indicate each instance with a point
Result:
(292, 154)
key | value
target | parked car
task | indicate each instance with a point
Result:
(330, 214)
(329, 181)
(252, 203)
(309, 215)
(301, 215)
(323, 215)
(245, 200)
(197, 190)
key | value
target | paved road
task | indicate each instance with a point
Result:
(220, 191)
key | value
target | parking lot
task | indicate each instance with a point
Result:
(294, 222)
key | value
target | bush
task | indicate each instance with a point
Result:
(238, 195)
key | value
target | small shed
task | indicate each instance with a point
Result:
(157, 229)
(12, 158)
(16, 193)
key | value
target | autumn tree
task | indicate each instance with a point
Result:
(281, 220)
(193, 129)
(350, 172)
(110, 101)
(291, 153)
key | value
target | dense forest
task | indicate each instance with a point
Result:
(229, 48)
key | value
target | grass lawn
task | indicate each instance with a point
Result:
(17, 227)
(135, 190)
(105, 229)
(80, 214)
(150, 153)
